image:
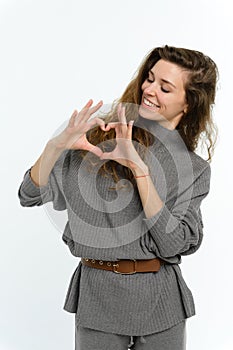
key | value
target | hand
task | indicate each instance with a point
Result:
(74, 135)
(124, 153)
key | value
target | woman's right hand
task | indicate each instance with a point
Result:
(74, 135)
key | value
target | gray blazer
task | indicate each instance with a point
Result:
(108, 223)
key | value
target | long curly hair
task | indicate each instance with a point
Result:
(196, 124)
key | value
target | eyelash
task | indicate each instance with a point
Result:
(151, 81)
(166, 91)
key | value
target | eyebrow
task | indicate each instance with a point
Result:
(163, 80)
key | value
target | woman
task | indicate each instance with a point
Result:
(132, 186)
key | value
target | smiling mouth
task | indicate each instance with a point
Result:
(149, 103)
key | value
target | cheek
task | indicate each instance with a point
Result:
(172, 101)
(163, 99)
(182, 98)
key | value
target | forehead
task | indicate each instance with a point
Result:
(169, 71)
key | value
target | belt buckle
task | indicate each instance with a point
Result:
(115, 266)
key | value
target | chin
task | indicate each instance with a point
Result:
(149, 114)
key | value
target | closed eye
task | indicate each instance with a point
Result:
(164, 90)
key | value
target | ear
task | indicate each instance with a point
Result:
(185, 109)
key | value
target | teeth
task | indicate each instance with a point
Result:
(148, 103)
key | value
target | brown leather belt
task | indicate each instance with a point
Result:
(126, 267)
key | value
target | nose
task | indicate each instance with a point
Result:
(151, 89)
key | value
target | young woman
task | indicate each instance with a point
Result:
(132, 186)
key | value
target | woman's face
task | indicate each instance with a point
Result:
(163, 94)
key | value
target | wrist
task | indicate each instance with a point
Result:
(141, 176)
(54, 147)
(140, 171)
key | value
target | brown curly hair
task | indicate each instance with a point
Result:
(195, 124)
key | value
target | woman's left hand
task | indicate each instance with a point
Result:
(124, 153)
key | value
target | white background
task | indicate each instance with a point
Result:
(55, 55)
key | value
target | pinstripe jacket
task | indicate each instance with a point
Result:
(106, 221)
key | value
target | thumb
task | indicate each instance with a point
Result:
(106, 155)
(96, 150)
(93, 149)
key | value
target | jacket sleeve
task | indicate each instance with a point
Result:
(179, 230)
(32, 195)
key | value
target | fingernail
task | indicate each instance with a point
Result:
(89, 102)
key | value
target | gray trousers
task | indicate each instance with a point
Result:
(173, 338)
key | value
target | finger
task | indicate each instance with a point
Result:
(129, 130)
(89, 111)
(88, 104)
(97, 121)
(94, 149)
(72, 119)
(122, 131)
(95, 108)
(121, 114)
(112, 125)
(85, 109)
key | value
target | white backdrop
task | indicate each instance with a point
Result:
(55, 55)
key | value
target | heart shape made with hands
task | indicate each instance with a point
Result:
(124, 152)
(74, 136)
